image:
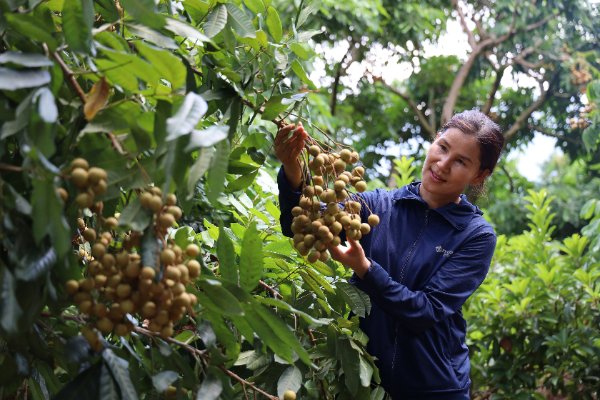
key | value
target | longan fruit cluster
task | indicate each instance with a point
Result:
(327, 205)
(90, 182)
(580, 76)
(116, 283)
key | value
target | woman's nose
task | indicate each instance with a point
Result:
(444, 163)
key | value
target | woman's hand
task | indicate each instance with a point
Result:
(352, 256)
(288, 145)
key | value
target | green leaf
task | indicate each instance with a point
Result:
(78, 20)
(312, 284)
(365, 372)
(283, 332)
(200, 166)
(251, 258)
(357, 299)
(226, 255)
(11, 79)
(350, 361)
(211, 387)
(135, 216)
(216, 21)
(48, 217)
(166, 64)
(256, 6)
(186, 31)
(240, 22)
(29, 26)
(11, 311)
(144, 12)
(290, 379)
(30, 60)
(300, 73)
(152, 36)
(273, 108)
(218, 171)
(33, 265)
(120, 371)
(301, 50)
(46, 105)
(274, 24)
(313, 322)
(207, 137)
(242, 182)
(86, 385)
(225, 302)
(187, 116)
(163, 380)
(311, 8)
(108, 386)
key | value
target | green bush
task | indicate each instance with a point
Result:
(534, 325)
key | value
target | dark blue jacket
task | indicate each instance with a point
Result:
(425, 264)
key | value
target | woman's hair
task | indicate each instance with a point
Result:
(487, 132)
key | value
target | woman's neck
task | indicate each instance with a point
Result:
(437, 201)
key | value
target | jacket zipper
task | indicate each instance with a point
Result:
(408, 258)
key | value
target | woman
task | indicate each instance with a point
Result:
(430, 252)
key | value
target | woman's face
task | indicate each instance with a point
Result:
(452, 163)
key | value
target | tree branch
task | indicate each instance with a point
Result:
(463, 24)
(420, 115)
(525, 114)
(478, 49)
(492, 94)
(547, 132)
(341, 68)
(68, 74)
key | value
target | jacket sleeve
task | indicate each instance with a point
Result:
(444, 294)
(288, 198)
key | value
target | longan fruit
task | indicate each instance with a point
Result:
(318, 180)
(346, 155)
(373, 220)
(89, 234)
(145, 199)
(289, 395)
(79, 177)
(123, 290)
(314, 150)
(96, 174)
(84, 200)
(79, 163)
(192, 250)
(122, 329)
(100, 187)
(167, 257)
(148, 309)
(175, 211)
(147, 273)
(314, 255)
(63, 194)
(297, 210)
(111, 223)
(358, 171)
(194, 268)
(156, 203)
(104, 325)
(71, 286)
(166, 220)
(171, 199)
(360, 186)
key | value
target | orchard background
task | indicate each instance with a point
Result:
(184, 97)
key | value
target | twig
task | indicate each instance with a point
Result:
(9, 167)
(272, 290)
(68, 74)
(245, 382)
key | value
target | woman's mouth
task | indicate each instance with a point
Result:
(436, 177)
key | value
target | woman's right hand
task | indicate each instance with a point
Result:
(288, 145)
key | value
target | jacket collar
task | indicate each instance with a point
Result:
(458, 215)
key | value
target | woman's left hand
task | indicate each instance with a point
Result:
(352, 256)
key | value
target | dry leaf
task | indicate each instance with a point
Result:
(96, 99)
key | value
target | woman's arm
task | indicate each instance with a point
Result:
(445, 293)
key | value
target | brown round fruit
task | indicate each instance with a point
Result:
(289, 395)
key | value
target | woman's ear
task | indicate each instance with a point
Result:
(480, 177)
